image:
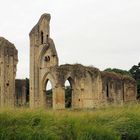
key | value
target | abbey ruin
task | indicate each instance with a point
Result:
(89, 87)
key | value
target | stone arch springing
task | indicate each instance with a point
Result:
(68, 92)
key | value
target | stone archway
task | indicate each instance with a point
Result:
(69, 92)
(47, 91)
(49, 95)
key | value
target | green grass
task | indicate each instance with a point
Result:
(113, 123)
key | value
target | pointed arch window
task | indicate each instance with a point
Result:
(42, 37)
(107, 90)
(68, 93)
(49, 94)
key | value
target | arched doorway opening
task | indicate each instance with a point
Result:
(68, 93)
(49, 94)
(107, 90)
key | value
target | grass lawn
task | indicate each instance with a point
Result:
(111, 123)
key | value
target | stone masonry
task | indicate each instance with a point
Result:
(90, 87)
(20, 92)
(8, 63)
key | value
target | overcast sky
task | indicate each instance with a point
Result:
(102, 33)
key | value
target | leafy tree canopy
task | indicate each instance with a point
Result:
(135, 71)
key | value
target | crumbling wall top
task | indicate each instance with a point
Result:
(20, 83)
(76, 71)
(8, 48)
(117, 76)
(36, 27)
(5, 43)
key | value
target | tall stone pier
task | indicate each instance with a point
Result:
(8, 63)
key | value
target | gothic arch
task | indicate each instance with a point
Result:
(70, 79)
(69, 92)
(48, 77)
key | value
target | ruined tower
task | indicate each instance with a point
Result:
(8, 63)
(43, 57)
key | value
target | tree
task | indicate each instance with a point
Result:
(135, 71)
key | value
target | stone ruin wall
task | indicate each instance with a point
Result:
(118, 89)
(20, 93)
(85, 82)
(8, 63)
(90, 87)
